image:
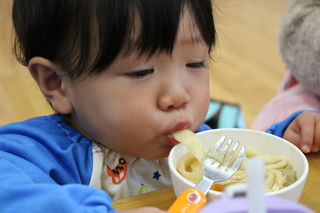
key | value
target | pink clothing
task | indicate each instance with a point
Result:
(291, 97)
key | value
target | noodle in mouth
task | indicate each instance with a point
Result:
(278, 172)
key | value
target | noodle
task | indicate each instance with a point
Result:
(278, 173)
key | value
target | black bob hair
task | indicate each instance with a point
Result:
(86, 36)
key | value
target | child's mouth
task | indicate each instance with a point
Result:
(171, 141)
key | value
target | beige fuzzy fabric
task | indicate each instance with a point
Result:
(299, 42)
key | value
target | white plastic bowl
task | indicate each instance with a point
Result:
(263, 142)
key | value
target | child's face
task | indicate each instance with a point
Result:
(135, 105)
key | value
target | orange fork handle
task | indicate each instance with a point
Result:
(190, 201)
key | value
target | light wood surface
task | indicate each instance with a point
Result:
(164, 198)
(246, 68)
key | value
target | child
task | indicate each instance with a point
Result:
(122, 77)
(299, 44)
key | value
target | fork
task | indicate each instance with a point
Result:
(217, 166)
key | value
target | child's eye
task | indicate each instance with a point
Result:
(140, 74)
(197, 65)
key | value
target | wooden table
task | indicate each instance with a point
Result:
(165, 197)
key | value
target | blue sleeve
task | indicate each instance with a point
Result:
(279, 128)
(203, 127)
(19, 193)
(44, 171)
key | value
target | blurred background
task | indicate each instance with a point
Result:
(246, 68)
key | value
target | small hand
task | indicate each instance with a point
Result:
(304, 132)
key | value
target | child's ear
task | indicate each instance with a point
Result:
(48, 77)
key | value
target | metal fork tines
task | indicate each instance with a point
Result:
(220, 165)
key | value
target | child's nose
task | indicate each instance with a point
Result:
(173, 96)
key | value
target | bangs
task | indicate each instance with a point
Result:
(148, 27)
(86, 36)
